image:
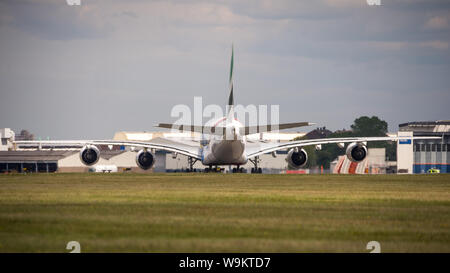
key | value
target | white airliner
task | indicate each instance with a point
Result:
(226, 143)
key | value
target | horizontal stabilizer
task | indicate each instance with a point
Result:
(248, 130)
(194, 128)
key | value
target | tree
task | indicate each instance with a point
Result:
(365, 126)
(25, 135)
(324, 158)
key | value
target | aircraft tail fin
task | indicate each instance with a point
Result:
(230, 114)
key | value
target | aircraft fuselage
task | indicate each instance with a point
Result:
(227, 149)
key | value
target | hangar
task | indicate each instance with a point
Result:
(47, 160)
(424, 154)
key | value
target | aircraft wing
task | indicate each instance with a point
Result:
(257, 148)
(191, 149)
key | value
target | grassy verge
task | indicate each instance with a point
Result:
(222, 213)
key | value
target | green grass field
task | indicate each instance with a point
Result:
(224, 212)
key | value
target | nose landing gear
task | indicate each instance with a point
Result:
(217, 169)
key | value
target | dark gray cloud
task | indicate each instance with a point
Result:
(88, 71)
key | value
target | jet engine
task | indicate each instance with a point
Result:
(89, 155)
(145, 159)
(297, 158)
(356, 152)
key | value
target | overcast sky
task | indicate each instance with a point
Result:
(88, 71)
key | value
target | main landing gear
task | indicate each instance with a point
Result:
(191, 162)
(255, 162)
(238, 170)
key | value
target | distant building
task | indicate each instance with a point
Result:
(321, 132)
(24, 135)
(7, 136)
(421, 155)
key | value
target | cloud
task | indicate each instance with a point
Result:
(294, 9)
(435, 44)
(129, 62)
(437, 22)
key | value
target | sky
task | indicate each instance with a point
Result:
(88, 71)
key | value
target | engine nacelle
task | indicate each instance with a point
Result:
(356, 152)
(145, 159)
(297, 158)
(89, 155)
